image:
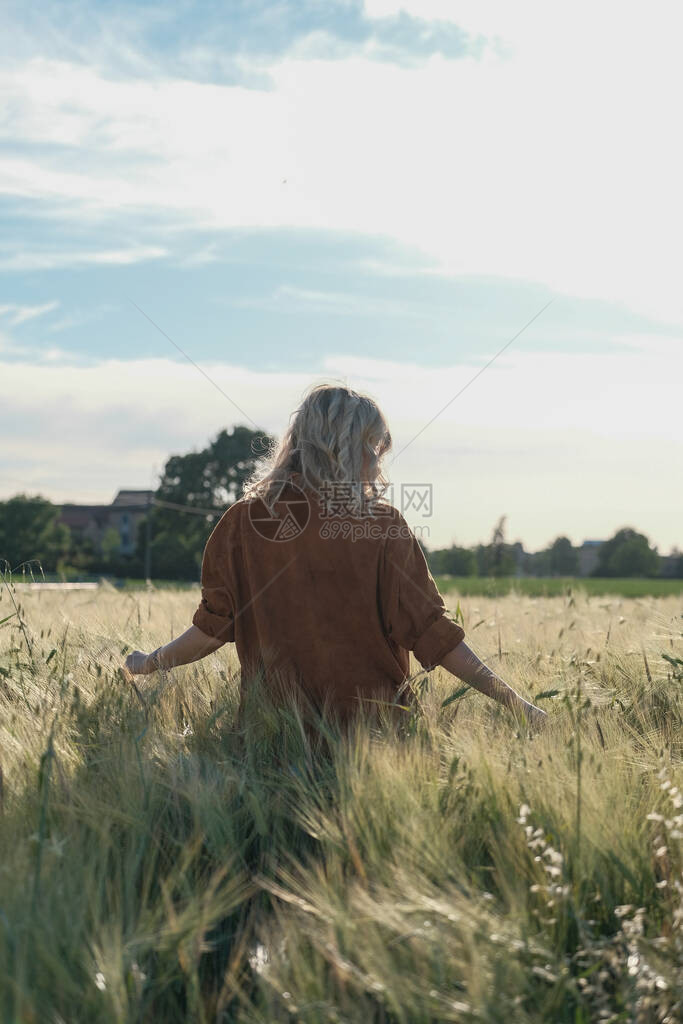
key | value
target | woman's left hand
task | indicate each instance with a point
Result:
(140, 664)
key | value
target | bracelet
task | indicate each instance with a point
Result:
(154, 658)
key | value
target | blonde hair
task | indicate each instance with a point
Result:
(335, 436)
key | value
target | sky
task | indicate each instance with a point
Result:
(387, 194)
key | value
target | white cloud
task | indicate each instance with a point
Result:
(20, 314)
(555, 162)
(291, 299)
(79, 316)
(52, 259)
(561, 443)
(206, 254)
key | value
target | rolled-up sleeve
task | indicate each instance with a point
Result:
(413, 612)
(215, 615)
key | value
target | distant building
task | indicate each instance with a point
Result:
(588, 556)
(671, 565)
(90, 522)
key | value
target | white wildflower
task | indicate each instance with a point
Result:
(524, 813)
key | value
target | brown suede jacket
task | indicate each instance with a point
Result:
(326, 599)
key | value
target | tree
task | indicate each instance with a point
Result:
(209, 479)
(563, 558)
(627, 553)
(499, 565)
(30, 531)
(453, 561)
(110, 544)
(215, 476)
(536, 563)
(496, 558)
(673, 567)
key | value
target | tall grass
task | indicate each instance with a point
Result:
(156, 864)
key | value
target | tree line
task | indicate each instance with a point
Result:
(626, 554)
(195, 489)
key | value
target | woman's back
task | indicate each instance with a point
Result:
(314, 594)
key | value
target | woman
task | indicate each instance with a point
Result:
(319, 582)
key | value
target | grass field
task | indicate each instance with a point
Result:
(155, 865)
(477, 586)
(548, 586)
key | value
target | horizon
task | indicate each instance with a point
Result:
(587, 540)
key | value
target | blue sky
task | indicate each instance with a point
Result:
(380, 192)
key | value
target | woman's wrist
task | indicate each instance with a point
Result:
(503, 692)
(508, 696)
(154, 661)
(533, 714)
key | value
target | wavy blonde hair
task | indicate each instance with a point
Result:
(337, 435)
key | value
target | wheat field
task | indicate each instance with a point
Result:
(158, 865)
